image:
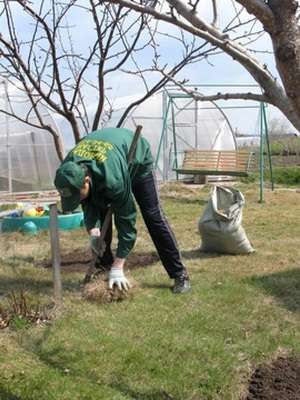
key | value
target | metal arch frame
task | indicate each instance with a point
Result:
(46, 112)
(264, 134)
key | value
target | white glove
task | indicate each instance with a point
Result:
(117, 277)
(94, 239)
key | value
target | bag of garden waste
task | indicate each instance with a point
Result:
(220, 226)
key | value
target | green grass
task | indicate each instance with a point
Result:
(286, 176)
(242, 310)
(5, 207)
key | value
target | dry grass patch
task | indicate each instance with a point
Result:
(20, 311)
(97, 291)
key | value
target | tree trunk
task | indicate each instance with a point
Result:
(286, 44)
(58, 145)
(76, 132)
(288, 109)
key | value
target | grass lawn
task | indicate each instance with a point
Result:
(242, 310)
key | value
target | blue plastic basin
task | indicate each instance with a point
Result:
(65, 222)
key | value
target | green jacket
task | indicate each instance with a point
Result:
(105, 153)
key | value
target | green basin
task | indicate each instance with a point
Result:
(65, 222)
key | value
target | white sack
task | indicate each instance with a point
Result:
(220, 226)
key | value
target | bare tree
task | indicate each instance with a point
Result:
(46, 63)
(276, 18)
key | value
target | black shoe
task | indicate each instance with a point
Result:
(182, 284)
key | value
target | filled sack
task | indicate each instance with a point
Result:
(220, 225)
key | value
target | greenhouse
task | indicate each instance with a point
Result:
(174, 122)
(28, 158)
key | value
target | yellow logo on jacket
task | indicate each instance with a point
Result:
(93, 150)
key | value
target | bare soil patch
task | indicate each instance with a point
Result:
(78, 261)
(277, 381)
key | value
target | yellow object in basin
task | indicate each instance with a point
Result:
(30, 212)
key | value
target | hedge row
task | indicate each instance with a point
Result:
(284, 176)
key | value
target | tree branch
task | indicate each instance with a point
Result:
(24, 68)
(262, 12)
(215, 13)
(165, 79)
(191, 16)
(51, 40)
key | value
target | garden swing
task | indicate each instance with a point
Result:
(236, 163)
(208, 153)
(217, 162)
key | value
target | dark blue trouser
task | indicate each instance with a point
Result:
(146, 194)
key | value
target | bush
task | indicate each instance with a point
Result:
(253, 177)
(286, 176)
(282, 176)
(285, 146)
(277, 148)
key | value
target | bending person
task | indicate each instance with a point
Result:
(96, 175)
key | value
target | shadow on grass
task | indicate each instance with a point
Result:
(284, 286)
(32, 285)
(58, 359)
(163, 286)
(185, 200)
(18, 259)
(5, 395)
(138, 395)
(62, 361)
(197, 253)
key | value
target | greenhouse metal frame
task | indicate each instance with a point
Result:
(28, 158)
(170, 98)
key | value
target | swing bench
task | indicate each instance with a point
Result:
(214, 162)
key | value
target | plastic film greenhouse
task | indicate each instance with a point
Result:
(174, 122)
(28, 158)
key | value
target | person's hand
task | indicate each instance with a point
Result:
(95, 239)
(116, 277)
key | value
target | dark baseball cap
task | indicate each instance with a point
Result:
(69, 180)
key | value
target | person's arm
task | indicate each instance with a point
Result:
(118, 192)
(124, 210)
(91, 216)
(92, 224)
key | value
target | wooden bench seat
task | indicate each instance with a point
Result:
(213, 162)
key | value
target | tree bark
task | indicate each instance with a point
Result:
(261, 11)
(58, 147)
(75, 128)
(286, 43)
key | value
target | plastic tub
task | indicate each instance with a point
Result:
(65, 222)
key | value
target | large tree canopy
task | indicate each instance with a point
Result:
(40, 52)
(277, 18)
(64, 54)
